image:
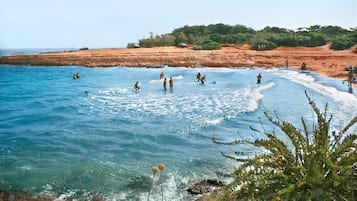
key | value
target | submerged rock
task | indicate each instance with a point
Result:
(22, 196)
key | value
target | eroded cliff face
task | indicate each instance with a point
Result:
(319, 59)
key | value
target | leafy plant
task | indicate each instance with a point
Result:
(211, 45)
(263, 45)
(314, 168)
(341, 43)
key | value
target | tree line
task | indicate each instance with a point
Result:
(215, 36)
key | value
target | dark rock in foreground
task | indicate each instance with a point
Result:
(21, 196)
(205, 186)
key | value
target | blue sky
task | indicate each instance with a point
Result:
(114, 23)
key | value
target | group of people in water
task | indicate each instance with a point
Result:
(199, 78)
(162, 76)
(76, 76)
(171, 82)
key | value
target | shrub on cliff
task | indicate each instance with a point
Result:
(158, 40)
(263, 45)
(211, 45)
(313, 167)
(341, 43)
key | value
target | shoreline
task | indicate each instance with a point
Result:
(321, 60)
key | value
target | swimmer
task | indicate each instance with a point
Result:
(171, 83)
(164, 83)
(136, 86)
(259, 78)
(162, 75)
(203, 79)
(198, 76)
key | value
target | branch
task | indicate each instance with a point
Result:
(234, 158)
(232, 142)
(343, 131)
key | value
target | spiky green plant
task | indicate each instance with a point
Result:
(316, 167)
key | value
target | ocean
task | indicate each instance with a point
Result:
(72, 137)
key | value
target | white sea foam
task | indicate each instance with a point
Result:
(309, 81)
(65, 196)
(196, 110)
(221, 69)
(347, 102)
(48, 191)
(156, 81)
(26, 167)
(257, 96)
(173, 188)
(179, 77)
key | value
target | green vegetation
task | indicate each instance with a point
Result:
(210, 45)
(312, 167)
(267, 38)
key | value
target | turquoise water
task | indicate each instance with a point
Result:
(68, 137)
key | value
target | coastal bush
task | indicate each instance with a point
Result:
(341, 43)
(315, 166)
(211, 45)
(163, 40)
(353, 35)
(180, 38)
(312, 36)
(263, 45)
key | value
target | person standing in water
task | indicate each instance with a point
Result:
(259, 78)
(136, 86)
(203, 79)
(171, 81)
(164, 83)
(198, 76)
(162, 75)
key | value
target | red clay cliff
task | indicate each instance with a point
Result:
(320, 59)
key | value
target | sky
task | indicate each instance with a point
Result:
(114, 23)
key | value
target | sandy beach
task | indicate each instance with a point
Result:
(321, 59)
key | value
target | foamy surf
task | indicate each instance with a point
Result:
(180, 77)
(346, 99)
(196, 110)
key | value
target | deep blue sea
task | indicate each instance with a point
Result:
(69, 138)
